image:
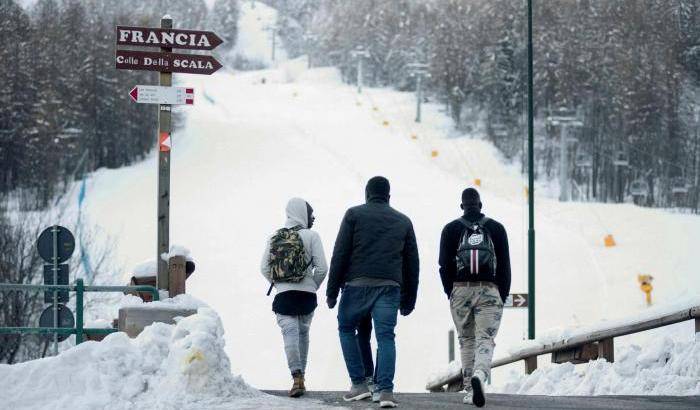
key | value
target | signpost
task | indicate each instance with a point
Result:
(55, 245)
(166, 62)
(154, 94)
(517, 300)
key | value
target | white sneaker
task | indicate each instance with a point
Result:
(468, 398)
(477, 382)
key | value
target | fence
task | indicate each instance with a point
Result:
(79, 288)
(577, 349)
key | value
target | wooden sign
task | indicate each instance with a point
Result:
(166, 62)
(167, 38)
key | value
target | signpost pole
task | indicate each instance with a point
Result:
(164, 130)
(54, 262)
(531, 180)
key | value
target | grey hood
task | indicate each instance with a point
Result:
(297, 213)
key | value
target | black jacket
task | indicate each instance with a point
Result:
(375, 241)
(449, 242)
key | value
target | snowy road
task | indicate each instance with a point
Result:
(429, 401)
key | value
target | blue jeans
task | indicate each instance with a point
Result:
(382, 302)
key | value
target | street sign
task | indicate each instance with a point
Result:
(516, 300)
(170, 38)
(65, 244)
(62, 279)
(166, 62)
(65, 319)
(156, 94)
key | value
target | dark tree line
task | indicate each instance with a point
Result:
(628, 70)
(63, 105)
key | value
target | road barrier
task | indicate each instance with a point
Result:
(79, 288)
(577, 349)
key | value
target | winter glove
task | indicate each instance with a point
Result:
(405, 311)
(331, 302)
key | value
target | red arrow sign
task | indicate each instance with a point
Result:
(169, 38)
(134, 93)
(166, 62)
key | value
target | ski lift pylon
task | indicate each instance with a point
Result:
(621, 159)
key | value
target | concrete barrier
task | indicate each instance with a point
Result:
(133, 319)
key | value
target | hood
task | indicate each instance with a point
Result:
(297, 213)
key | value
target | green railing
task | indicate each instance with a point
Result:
(79, 288)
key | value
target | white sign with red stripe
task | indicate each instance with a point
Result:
(155, 94)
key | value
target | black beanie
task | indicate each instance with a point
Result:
(377, 187)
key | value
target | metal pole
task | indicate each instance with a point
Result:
(80, 287)
(359, 74)
(419, 95)
(54, 232)
(531, 181)
(274, 34)
(164, 131)
(563, 163)
(451, 345)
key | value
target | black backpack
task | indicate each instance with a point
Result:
(476, 254)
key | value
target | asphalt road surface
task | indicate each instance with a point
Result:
(509, 401)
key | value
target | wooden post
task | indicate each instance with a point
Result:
(530, 364)
(164, 131)
(606, 350)
(176, 268)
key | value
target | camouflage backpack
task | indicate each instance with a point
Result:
(287, 256)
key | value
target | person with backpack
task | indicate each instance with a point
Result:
(475, 272)
(295, 265)
(375, 262)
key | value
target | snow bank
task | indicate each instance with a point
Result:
(666, 367)
(166, 366)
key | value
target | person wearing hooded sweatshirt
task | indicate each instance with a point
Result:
(295, 302)
(375, 262)
(476, 296)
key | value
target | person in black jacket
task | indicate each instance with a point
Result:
(375, 262)
(476, 289)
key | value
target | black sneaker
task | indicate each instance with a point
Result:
(478, 389)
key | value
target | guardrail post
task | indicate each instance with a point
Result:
(79, 289)
(530, 364)
(606, 349)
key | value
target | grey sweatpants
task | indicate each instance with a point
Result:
(295, 332)
(476, 311)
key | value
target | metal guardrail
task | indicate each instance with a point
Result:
(79, 288)
(529, 355)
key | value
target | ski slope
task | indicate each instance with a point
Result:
(249, 146)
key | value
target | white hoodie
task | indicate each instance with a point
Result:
(297, 215)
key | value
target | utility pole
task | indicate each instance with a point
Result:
(272, 29)
(359, 53)
(418, 70)
(309, 40)
(164, 131)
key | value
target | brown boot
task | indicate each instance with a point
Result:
(298, 388)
